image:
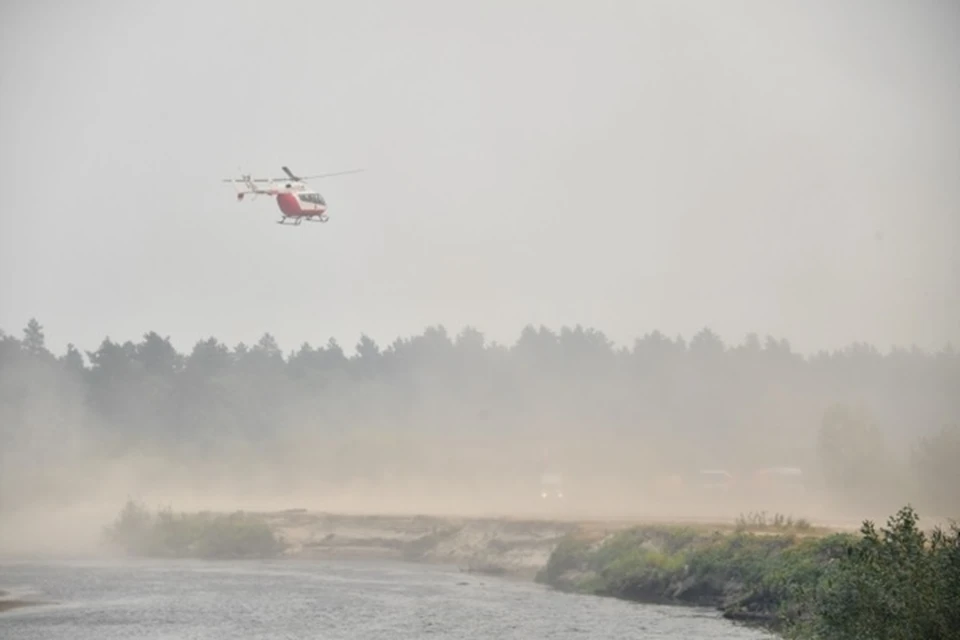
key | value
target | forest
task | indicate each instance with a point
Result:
(455, 412)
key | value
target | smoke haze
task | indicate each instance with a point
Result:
(780, 169)
(451, 424)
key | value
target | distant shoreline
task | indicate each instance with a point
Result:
(8, 604)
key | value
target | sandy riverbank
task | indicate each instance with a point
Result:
(496, 545)
(500, 546)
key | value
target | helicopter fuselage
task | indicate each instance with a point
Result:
(301, 202)
(296, 202)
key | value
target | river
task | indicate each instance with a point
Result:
(287, 599)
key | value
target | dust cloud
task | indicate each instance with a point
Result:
(450, 425)
(617, 194)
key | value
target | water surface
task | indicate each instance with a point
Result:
(103, 599)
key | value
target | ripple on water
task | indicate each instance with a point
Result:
(330, 600)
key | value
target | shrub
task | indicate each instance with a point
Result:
(894, 584)
(200, 535)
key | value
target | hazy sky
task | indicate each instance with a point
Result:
(784, 167)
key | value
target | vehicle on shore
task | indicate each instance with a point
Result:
(551, 486)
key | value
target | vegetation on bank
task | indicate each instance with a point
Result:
(758, 521)
(894, 583)
(192, 535)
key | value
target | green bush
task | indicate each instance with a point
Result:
(898, 583)
(569, 555)
(199, 535)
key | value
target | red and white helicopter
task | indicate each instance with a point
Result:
(296, 200)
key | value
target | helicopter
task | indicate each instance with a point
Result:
(297, 201)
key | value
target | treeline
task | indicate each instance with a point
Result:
(868, 425)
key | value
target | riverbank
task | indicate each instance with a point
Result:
(506, 546)
(784, 575)
(776, 573)
(8, 602)
(514, 547)
(751, 576)
(897, 581)
(495, 546)
(744, 569)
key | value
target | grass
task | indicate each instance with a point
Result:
(758, 521)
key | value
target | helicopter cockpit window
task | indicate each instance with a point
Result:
(312, 198)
